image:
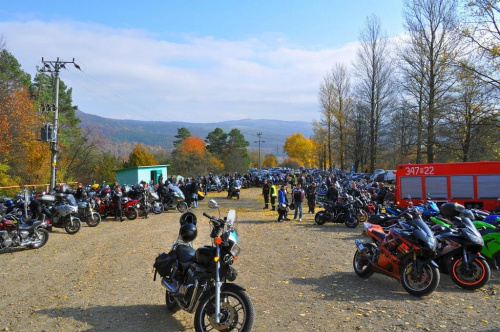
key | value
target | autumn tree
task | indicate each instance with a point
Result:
(291, 163)
(140, 156)
(269, 160)
(191, 158)
(299, 148)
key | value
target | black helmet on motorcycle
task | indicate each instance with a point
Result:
(450, 210)
(188, 232)
(188, 218)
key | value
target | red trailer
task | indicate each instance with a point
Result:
(472, 184)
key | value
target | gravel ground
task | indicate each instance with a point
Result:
(299, 276)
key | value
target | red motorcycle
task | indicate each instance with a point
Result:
(30, 234)
(404, 253)
(106, 207)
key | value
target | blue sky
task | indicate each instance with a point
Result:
(196, 61)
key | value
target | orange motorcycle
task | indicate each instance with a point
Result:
(405, 253)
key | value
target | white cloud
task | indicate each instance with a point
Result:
(132, 74)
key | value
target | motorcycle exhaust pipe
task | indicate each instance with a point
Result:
(170, 287)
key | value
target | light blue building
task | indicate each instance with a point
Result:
(134, 175)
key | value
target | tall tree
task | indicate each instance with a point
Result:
(431, 26)
(182, 134)
(373, 73)
(299, 148)
(140, 156)
(216, 142)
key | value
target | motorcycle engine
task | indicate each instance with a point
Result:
(9, 240)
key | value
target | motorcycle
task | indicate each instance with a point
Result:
(173, 198)
(458, 253)
(338, 212)
(61, 210)
(404, 253)
(87, 213)
(199, 280)
(234, 191)
(106, 207)
(30, 234)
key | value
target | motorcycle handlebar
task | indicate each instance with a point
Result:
(215, 221)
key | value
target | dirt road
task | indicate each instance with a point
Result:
(298, 275)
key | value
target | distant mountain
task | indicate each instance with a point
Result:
(120, 135)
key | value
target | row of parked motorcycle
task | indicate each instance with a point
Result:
(27, 219)
(417, 243)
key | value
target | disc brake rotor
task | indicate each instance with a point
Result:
(228, 315)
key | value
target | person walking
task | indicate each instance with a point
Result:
(282, 203)
(265, 193)
(117, 202)
(273, 193)
(311, 197)
(297, 199)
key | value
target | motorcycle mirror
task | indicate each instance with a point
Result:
(213, 204)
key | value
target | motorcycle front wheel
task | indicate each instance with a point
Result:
(182, 207)
(39, 238)
(72, 226)
(419, 283)
(362, 215)
(474, 277)
(320, 218)
(93, 219)
(237, 312)
(157, 208)
(351, 221)
(131, 213)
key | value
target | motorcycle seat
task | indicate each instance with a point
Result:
(30, 223)
(380, 234)
(185, 253)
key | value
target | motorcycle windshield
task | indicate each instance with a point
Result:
(424, 235)
(71, 200)
(471, 232)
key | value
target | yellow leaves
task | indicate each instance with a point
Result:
(284, 282)
(140, 156)
(300, 148)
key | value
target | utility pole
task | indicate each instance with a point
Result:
(54, 67)
(259, 141)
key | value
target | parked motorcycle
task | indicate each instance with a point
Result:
(30, 234)
(199, 280)
(458, 253)
(61, 209)
(172, 197)
(87, 213)
(404, 253)
(338, 212)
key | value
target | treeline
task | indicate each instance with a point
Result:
(430, 97)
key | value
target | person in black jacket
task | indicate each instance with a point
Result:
(265, 193)
(332, 194)
(117, 202)
(311, 197)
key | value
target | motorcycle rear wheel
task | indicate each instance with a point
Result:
(237, 312)
(476, 277)
(131, 213)
(320, 218)
(182, 207)
(42, 236)
(93, 219)
(361, 264)
(170, 302)
(420, 285)
(72, 227)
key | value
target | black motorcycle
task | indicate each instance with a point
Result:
(198, 280)
(458, 252)
(338, 212)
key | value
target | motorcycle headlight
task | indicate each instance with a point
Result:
(138, 205)
(235, 250)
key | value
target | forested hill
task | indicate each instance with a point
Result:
(161, 133)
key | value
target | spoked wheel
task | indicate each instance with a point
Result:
(93, 219)
(474, 277)
(73, 226)
(361, 264)
(362, 215)
(157, 207)
(39, 238)
(237, 312)
(351, 221)
(421, 280)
